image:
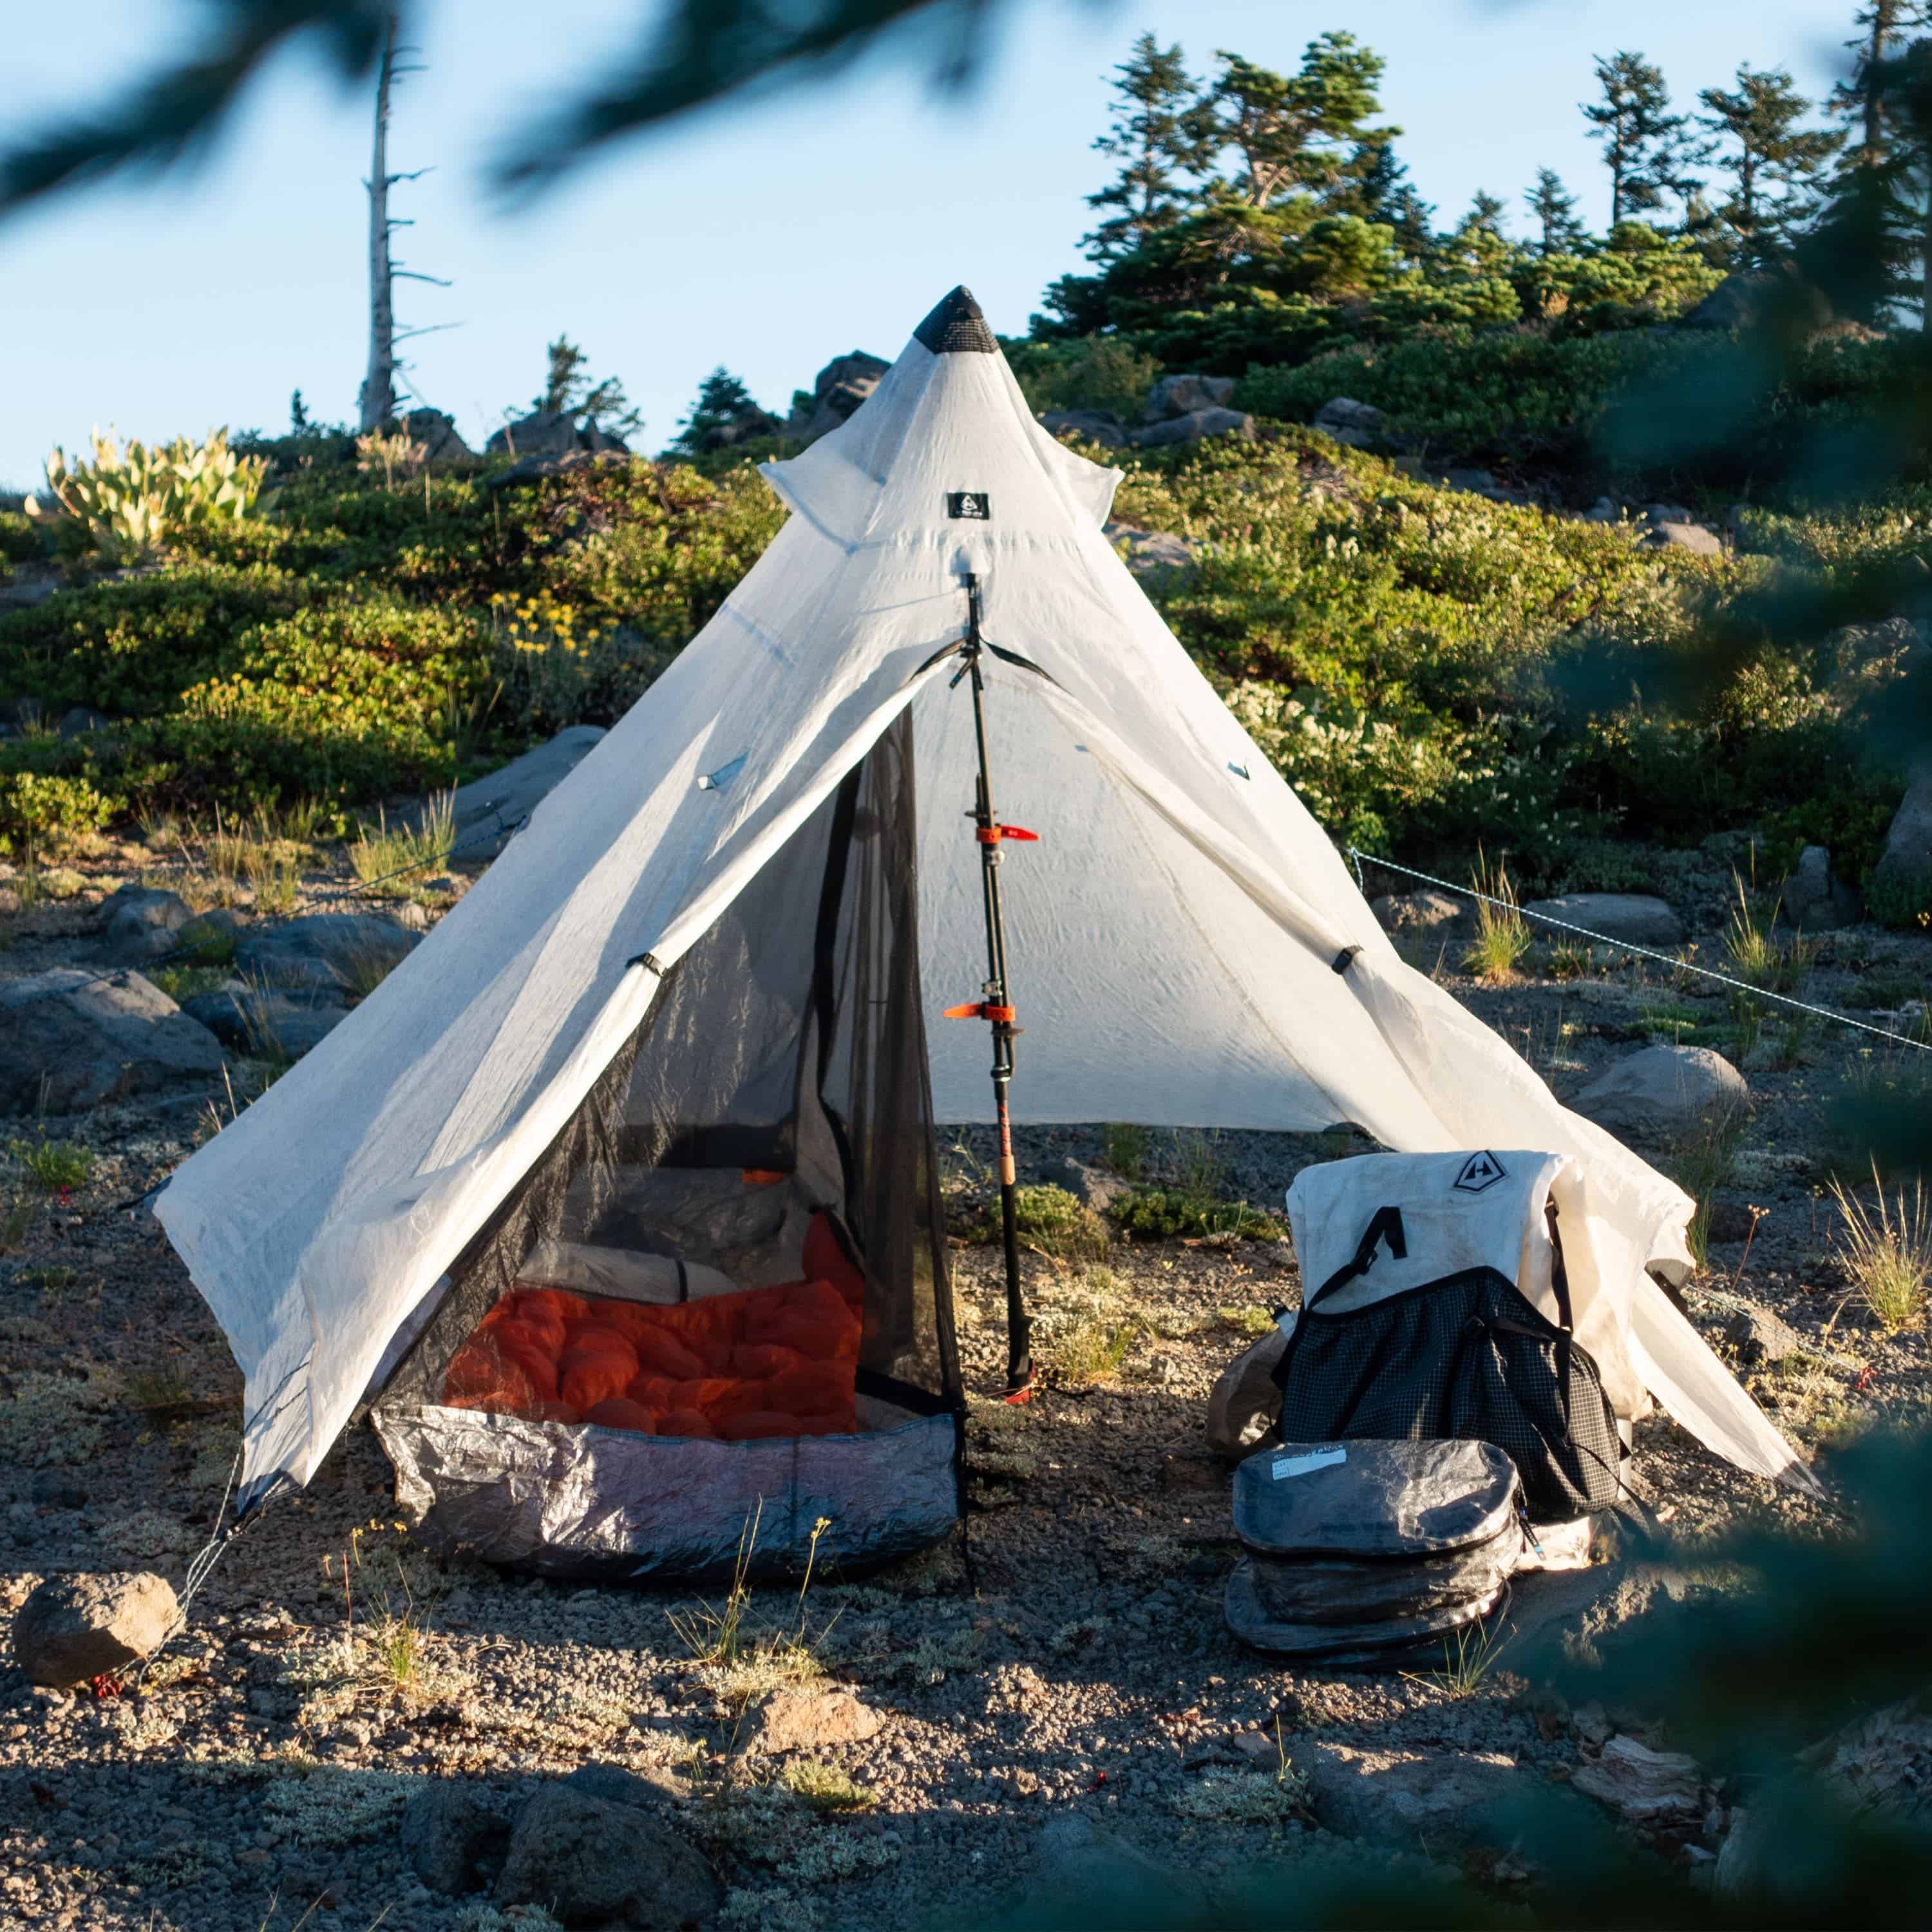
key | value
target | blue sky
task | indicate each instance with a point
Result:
(769, 239)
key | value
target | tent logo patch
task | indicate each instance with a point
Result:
(974, 505)
(1479, 1171)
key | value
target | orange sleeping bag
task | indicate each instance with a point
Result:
(769, 1362)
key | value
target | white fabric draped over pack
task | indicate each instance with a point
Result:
(1177, 939)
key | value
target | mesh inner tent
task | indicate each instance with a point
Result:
(778, 1085)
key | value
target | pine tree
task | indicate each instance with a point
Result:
(1559, 231)
(723, 406)
(1377, 188)
(568, 390)
(1163, 134)
(1649, 151)
(1772, 159)
(1300, 131)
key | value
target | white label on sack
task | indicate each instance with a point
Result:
(1300, 1465)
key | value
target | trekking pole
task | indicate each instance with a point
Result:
(995, 1006)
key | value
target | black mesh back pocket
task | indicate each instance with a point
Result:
(1464, 1358)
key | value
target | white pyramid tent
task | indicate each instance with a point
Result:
(1188, 948)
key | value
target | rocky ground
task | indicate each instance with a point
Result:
(349, 1725)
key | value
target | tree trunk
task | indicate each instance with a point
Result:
(1884, 23)
(1925, 269)
(378, 385)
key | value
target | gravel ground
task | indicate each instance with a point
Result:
(260, 1766)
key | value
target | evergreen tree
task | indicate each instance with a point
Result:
(1376, 186)
(1163, 134)
(1649, 151)
(723, 406)
(1558, 230)
(569, 391)
(1772, 159)
(1298, 132)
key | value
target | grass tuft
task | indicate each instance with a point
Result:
(1502, 933)
(54, 1167)
(382, 852)
(1704, 1161)
(1886, 1251)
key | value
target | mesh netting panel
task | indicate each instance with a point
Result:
(781, 1071)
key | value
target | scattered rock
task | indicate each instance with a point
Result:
(553, 433)
(1100, 426)
(1604, 510)
(1427, 914)
(1190, 1473)
(437, 432)
(589, 1862)
(1747, 297)
(1661, 1092)
(72, 1629)
(1590, 1724)
(1694, 537)
(508, 795)
(140, 924)
(448, 1837)
(749, 425)
(1400, 1797)
(1093, 1187)
(807, 1720)
(1807, 898)
(1907, 856)
(534, 469)
(1760, 1338)
(1193, 427)
(1174, 396)
(842, 385)
(1359, 425)
(1636, 917)
(1474, 482)
(1728, 1221)
(267, 1025)
(69, 1041)
(1150, 552)
(1666, 513)
(1647, 1787)
(82, 719)
(334, 953)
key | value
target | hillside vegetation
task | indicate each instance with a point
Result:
(1430, 667)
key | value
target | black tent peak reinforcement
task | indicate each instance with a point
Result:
(995, 1005)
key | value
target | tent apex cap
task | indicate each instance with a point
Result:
(956, 325)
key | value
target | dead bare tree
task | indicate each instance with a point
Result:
(378, 399)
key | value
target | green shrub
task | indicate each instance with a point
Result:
(20, 542)
(1094, 372)
(1901, 898)
(1164, 1214)
(54, 1167)
(47, 811)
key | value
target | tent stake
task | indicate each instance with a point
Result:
(996, 1007)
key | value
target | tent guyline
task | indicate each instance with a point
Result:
(995, 1005)
(118, 974)
(1641, 952)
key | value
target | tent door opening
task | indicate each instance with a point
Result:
(722, 1290)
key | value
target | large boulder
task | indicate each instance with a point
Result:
(1182, 395)
(1359, 425)
(73, 1629)
(69, 1041)
(553, 433)
(1429, 914)
(1083, 1873)
(1694, 538)
(1748, 297)
(1812, 898)
(1194, 426)
(1100, 426)
(1150, 552)
(1403, 1798)
(331, 954)
(267, 1024)
(1907, 856)
(1635, 917)
(587, 1861)
(1661, 1093)
(508, 796)
(1648, 1787)
(436, 431)
(139, 924)
(843, 384)
(449, 1837)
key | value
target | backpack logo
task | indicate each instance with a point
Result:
(974, 505)
(1479, 1171)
